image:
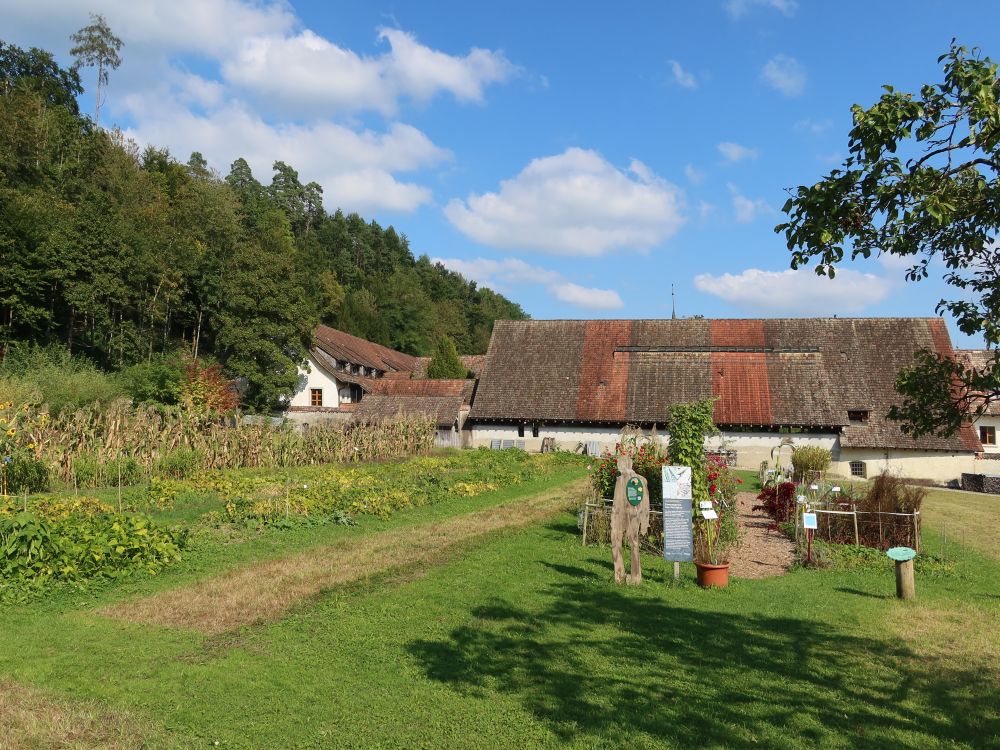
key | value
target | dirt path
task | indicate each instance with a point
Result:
(763, 553)
(266, 590)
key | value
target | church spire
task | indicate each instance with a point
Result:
(673, 303)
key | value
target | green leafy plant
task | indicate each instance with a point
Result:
(808, 459)
(688, 425)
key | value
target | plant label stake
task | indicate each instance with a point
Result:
(809, 524)
(903, 557)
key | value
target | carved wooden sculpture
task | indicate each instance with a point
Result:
(629, 516)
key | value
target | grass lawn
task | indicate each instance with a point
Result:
(520, 639)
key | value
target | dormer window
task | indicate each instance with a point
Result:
(858, 415)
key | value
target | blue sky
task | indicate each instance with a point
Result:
(579, 157)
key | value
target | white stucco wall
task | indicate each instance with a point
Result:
(753, 447)
(991, 422)
(316, 377)
(939, 466)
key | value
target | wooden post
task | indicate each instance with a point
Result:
(905, 587)
(586, 518)
(677, 571)
(857, 538)
(916, 531)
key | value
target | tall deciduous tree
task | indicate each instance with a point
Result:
(921, 183)
(95, 46)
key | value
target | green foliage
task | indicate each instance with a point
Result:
(808, 459)
(49, 375)
(156, 381)
(22, 473)
(375, 489)
(122, 256)
(938, 205)
(49, 544)
(444, 362)
(688, 425)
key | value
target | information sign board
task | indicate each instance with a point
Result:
(678, 539)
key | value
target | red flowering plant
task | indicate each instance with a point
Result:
(715, 540)
(647, 459)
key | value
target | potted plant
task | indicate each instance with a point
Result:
(716, 530)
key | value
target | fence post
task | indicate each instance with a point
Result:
(881, 541)
(586, 518)
(857, 537)
(916, 531)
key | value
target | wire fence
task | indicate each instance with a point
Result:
(595, 526)
(843, 523)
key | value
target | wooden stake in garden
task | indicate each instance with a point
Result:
(903, 557)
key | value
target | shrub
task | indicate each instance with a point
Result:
(778, 501)
(37, 547)
(51, 376)
(808, 459)
(688, 424)
(445, 362)
(23, 474)
(157, 381)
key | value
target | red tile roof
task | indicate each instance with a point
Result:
(794, 372)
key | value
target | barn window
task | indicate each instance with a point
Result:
(988, 435)
(315, 396)
(858, 415)
(520, 430)
(858, 469)
(534, 430)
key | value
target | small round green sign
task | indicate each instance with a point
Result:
(634, 491)
(901, 554)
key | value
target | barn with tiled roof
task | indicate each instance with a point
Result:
(822, 381)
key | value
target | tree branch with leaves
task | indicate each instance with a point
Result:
(921, 183)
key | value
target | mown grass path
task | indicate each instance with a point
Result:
(266, 590)
(521, 640)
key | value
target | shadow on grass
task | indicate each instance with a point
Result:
(866, 594)
(597, 663)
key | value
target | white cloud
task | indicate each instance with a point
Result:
(681, 76)
(734, 152)
(501, 274)
(812, 127)
(592, 299)
(739, 8)
(277, 86)
(745, 209)
(705, 210)
(785, 74)
(355, 168)
(796, 292)
(210, 27)
(695, 175)
(574, 203)
(310, 73)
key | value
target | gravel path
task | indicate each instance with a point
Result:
(763, 553)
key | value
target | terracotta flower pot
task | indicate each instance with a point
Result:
(710, 576)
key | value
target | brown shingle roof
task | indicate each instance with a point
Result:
(391, 387)
(444, 410)
(348, 348)
(805, 372)
(980, 359)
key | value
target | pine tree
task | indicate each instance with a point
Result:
(444, 362)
